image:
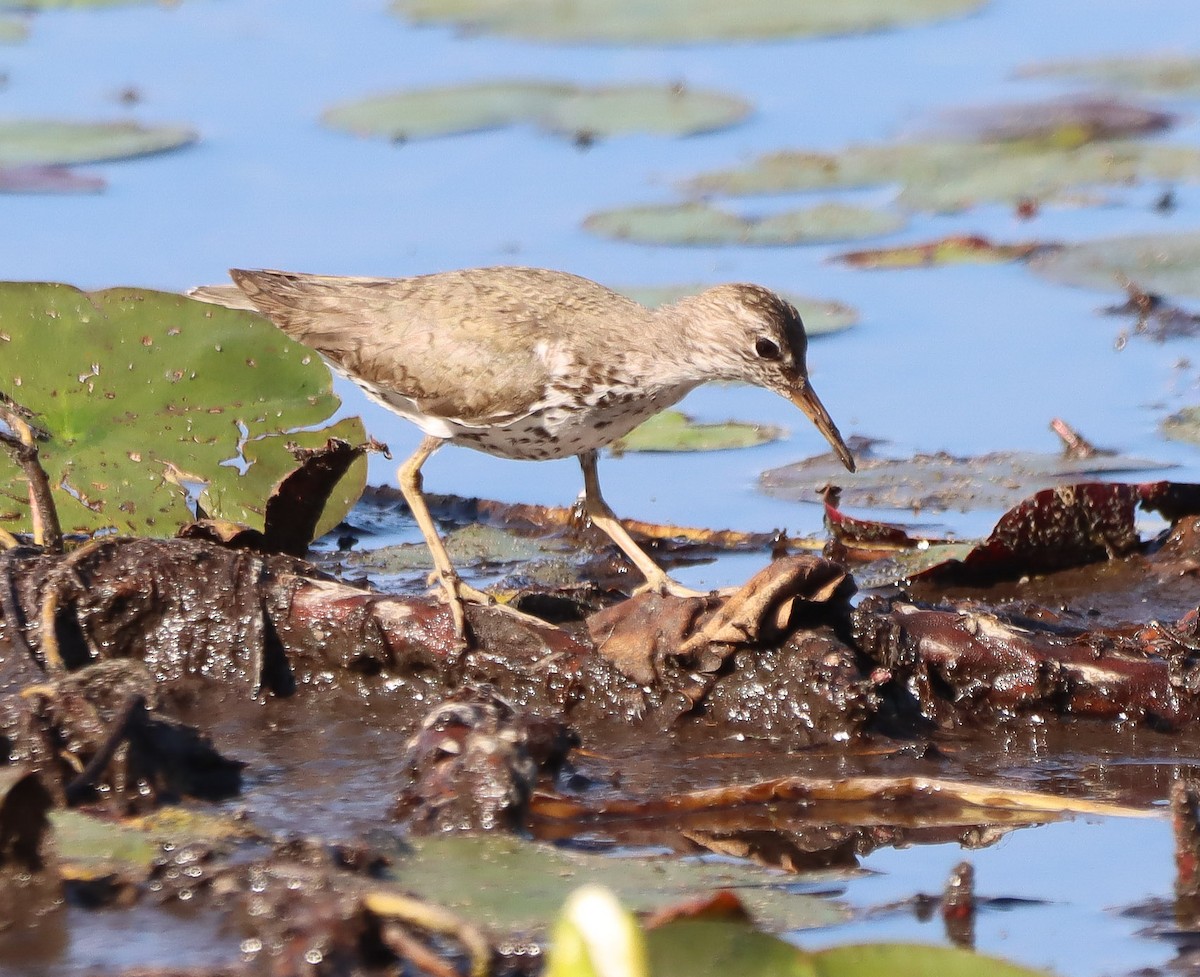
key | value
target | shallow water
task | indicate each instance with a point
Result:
(961, 359)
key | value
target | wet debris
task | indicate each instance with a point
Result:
(96, 734)
(1155, 317)
(474, 763)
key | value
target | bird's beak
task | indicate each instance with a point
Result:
(810, 403)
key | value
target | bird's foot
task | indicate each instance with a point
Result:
(660, 583)
(457, 593)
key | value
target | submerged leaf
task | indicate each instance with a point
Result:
(519, 885)
(41, 142)
(700, 224)
(140, 393)
(664, 22)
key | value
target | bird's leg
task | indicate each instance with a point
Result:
(596, 509)
(409, 475)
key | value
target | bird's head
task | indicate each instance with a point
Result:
(748, 333)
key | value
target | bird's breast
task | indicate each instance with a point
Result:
(563, 427)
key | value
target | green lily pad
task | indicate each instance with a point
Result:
(1158, 74)
(820, 316)
(28, 142)
(520, 885)
(703, 225)
(1183, 425)
(949, 176)
(12, 30)
(556, 108)
(1168, 264)
(673, 430)
(63, 4)
(139, 392)
(664, 22)
(913, 960)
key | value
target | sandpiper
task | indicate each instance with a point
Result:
(535, 364)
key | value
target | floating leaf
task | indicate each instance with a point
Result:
(948, 251)
(1161, 74)
(141, 391)
(700, 947)
(949, 176)
(668, 110)
(1183, 425)
(63, 4)
(1064, 123)
(701, 224)
(673, 430)
(34, 142)
(517, 884)
(662, 22)
(820, 315)
(1168, 264)
(941, 482)
(47, 179)
(12, 30)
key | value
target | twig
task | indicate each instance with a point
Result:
(22, 445)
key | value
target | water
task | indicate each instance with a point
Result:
(966, 359)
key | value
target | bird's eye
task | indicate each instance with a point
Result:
(766, 349)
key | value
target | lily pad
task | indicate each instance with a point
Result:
(1158, 74)
(47, 179)
(519, 885)
(949, 176)
(41, 142)
(700, 947)
(942, 482)
(821, 316)
(557, 108)
(701, 224)
(948, 251)
(12, 30)
(1183, 425)
(1065, 122)
(673, 430)
(63, 4)
(1168, 264)
(139, 392)
(663, 22)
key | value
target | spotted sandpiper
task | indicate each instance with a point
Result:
(535, 364)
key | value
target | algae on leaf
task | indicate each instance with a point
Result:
(672, 22)
(562, 109)
(144, 394)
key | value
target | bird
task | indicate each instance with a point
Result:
(535, 364)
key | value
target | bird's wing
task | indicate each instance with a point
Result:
(478, 346)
